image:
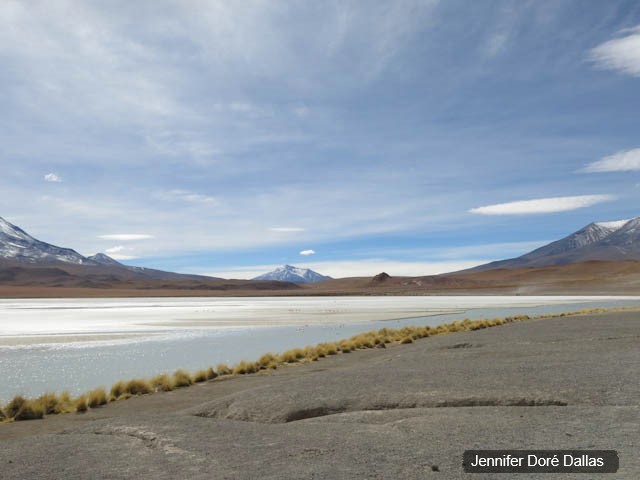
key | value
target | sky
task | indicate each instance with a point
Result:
(351, 137)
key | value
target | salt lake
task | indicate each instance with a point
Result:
(80, 344)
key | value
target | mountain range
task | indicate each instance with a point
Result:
(289, 273)
(600, 258)
(19, 249)
(604, 241)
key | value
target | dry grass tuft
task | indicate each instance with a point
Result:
(117, 390)
(291, 356)
(138, 387)
(204, 375)
(31, 410)
(245, 367)
(19, 408)
(97, 398)
(65, 403)
(223, 369)
(81, 404)
(49, 402)
(182, 378)
(14, 406)
(268, 360)
(162, 383)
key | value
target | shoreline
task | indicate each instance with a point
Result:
(54, 404)
(564, 382)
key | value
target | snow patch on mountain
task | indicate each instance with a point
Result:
(615, 225)
(18, 245)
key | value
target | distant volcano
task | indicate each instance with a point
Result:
(612, 241)
(289, 273)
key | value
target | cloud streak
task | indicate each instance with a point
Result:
(126, 237)
(286, 229)
(621, 54)
(623, 161)
(191, 197)
(307, 252)
(542, 205)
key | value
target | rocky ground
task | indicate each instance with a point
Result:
(404, 412)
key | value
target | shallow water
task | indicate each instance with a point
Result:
(52, 345)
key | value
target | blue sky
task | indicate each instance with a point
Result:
(227, 137)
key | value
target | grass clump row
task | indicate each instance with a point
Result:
(20, 408)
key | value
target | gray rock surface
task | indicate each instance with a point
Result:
(405, 412)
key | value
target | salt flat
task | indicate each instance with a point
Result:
(73, 319)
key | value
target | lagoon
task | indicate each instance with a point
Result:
(80, 344)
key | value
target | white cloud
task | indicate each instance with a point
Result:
(307, 252)
(119, 256)
(356, 268)
(623, 161)
(286, 229)
(192, 197)
(52, 177)
(542, 205)
(126, 237)
(621, 54)
(119, 252)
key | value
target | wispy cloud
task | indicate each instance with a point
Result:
(307, 252)
(126, 237)
(623, 161)
(120, 252)
(286, 229)
(52, 177)
(621, 54)
(187, 196)
(316, 125)
(542, 205)
(118, 256)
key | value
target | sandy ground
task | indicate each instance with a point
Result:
(405, 412)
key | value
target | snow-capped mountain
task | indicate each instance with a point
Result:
(289, 273)
(617, 240)
(18, 245)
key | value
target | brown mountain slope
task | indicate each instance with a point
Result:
(592, 277)
(24, 280)
(587, 278)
